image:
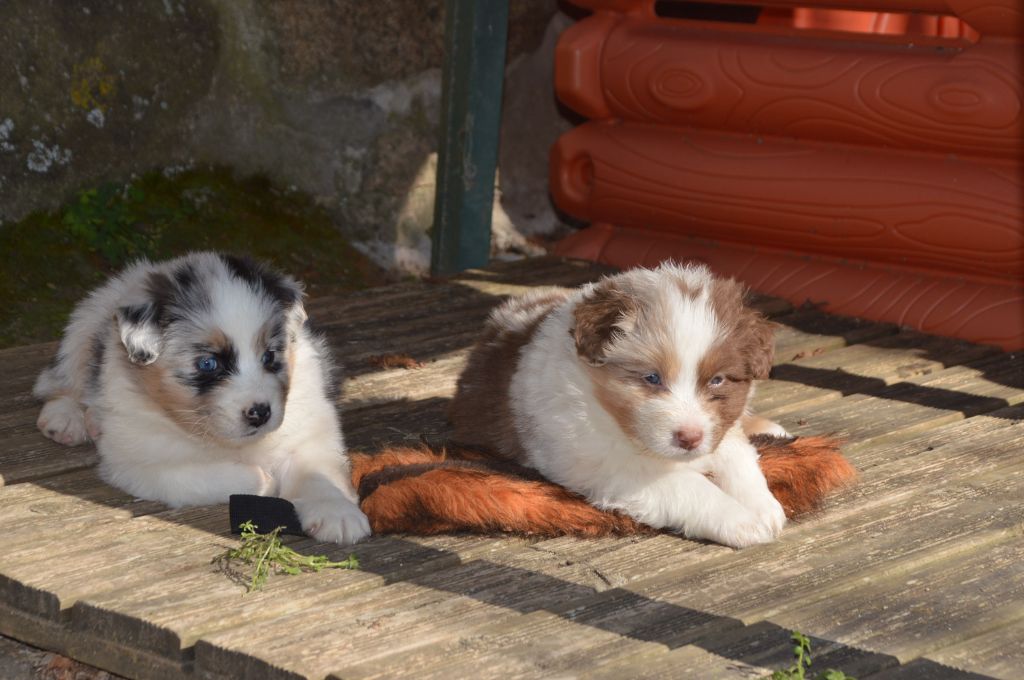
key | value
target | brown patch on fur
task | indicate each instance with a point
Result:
(803, 471)
(745, 329)
(423, 492)
(393, 361)
(618, 392)
(728, 400)
(596, 320)
(480, 410)
(446, 498)
(216, 340)
(176, 401)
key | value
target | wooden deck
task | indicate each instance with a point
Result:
(916, 570)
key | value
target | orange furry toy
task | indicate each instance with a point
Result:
(420, 491)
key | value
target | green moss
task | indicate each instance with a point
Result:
(48, 261)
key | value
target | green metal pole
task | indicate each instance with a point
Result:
(474, 69)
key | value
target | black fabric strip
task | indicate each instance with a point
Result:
(266, 512)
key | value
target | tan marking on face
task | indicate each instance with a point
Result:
(176, 400)
(620, 394)
(216, 340)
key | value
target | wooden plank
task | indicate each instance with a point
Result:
(55, 636)
(861, 369)
(165, 615)
(869, 453)
(998, 653)
(913, 614)
(926, 669)
(809, 333)
(32, 456)
(50, 577)
(745, 652)
(402, 618)
(535, 645)
(902, 408)
(543, 644)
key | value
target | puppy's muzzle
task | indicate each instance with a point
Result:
(257, 414)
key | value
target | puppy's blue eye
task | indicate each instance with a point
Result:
(717, 381)
(269, 357)
(207, 364)
(653, 378)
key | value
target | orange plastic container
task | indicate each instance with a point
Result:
(867, 161)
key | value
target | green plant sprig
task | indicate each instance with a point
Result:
(264, 553)
(802, 657)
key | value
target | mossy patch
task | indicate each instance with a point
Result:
(48, 261)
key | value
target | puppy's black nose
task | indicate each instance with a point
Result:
(257, 414)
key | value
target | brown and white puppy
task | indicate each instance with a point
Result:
(631, 392)
(198, 378)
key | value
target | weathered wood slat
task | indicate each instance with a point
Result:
(535, 645)
(740, 653)
(51, 577)
(403, 616)
(809, 333)
(165, 615)
(858, 369)
(920, 403)
(926, 669)
(997, 652)
(913, 614)
(31, 456)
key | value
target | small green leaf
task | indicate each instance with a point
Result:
(264, 553)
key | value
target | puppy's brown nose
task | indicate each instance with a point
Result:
(688, 437)
(257, 414)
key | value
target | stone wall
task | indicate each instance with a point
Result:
(336, 98)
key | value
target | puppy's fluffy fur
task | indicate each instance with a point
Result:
(198, 378)
(632, 392)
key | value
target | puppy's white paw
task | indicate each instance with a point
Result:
(746, 529)
(768, 510)
(63, 421)
(333, 520)
(775, 430)
(755, 425)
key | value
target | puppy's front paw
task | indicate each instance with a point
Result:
(63, 421)
(746, 529)
(755, 425)
(768, 510)
(333, 520)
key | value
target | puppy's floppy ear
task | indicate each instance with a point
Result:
(759, 347)
(601, 314)
(140, 332)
